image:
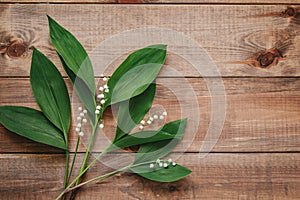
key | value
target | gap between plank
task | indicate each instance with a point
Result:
(142, 4)
(225, 77)
(175, 152)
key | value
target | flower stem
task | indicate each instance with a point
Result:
(74, 158)
(90, 146)
(66, 169)
(98, 178)
(82, 173)
(87, 153)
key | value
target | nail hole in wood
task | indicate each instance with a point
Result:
(172, 188)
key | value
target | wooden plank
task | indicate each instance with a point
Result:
(217, 176)
(212, 1)
(262, 114)
(160, 1)
(244, 37)
(59, 1)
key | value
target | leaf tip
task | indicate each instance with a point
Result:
(51, 23)
(158, 46)
(35, 50)
(189, 171)
(35, 54)
(49, 18)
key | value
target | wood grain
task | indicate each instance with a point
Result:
(255, 45)
(161, 1)
(60, 1)
(236, 42)
(212, 1)
(217, 176)
(262, 114)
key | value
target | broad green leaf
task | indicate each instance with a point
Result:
(141, 138)
(152, 151)
(31, 124)
(132, 111)
(84, 93)
(169, 174)
(50, 91)
(72, 52)
(136, 73)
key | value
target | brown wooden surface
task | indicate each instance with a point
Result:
(213, 1)
(271, 122)
(60, 1)
(257, 51)
(217, 176)
(233, 42)
(162, 1)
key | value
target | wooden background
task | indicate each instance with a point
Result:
(256, 46)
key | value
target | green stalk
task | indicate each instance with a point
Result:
(83, 167)
(66, 182)
(102, 177)
(90, 145)
(82, 173)
(87, 153)
(66, 169)
(99, 178)
(74, 158)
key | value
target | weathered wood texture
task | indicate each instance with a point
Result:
(60, 1)
(212, 1)
(236, 42)
(161, 1)
(270, 123)
(256, 49)
(217, 176)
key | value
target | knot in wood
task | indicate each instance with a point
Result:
(266, 59)
(16, 49)
(290, 11)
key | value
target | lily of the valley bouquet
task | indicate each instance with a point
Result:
(131, 87)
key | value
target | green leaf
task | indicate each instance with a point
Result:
(31, 124)
(169, 174)
(136, 73)
(84, 93)
(50, 91)
(150, 152)
(141, 138)
(72, 52)
(132, 111)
